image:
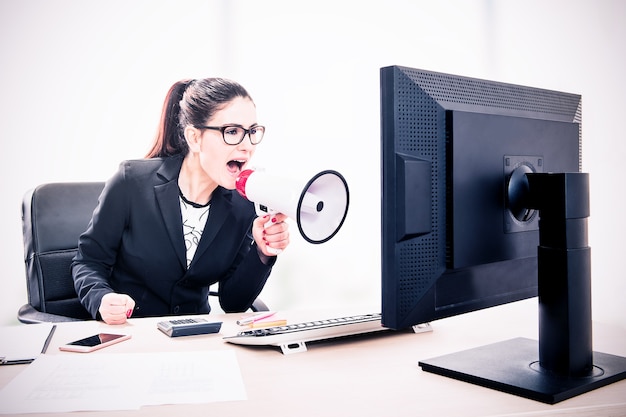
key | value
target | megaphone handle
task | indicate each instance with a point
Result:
(262, 210)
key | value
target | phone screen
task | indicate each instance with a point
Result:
(91, 343)
(96, 339)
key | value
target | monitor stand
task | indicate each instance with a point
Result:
(562, 363)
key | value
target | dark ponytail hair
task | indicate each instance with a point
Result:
(190, 102)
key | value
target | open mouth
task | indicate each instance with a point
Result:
(235, 166)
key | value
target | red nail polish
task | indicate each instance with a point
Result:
(273, 219)
(129, 313)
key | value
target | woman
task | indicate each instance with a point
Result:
(168, 226)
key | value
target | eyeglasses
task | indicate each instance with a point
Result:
(234, 135)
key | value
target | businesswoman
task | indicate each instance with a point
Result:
(168, 226)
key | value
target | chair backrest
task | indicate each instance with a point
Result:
(53, 217)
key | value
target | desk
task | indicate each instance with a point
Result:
(374, 375)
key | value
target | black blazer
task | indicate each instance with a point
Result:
(134, 245)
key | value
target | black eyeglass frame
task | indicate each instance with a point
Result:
(245, 132)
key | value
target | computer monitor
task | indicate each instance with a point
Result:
(469, 167)
(451, 242)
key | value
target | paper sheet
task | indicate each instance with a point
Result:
(96, 382)
(23, 342)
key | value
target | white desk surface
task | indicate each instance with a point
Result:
(377, 375)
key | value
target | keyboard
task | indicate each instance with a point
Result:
(291, 338)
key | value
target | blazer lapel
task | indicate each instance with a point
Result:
(167, 198)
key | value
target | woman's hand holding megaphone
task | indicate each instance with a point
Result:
(271, 234)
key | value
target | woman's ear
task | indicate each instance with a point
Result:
(192, 136)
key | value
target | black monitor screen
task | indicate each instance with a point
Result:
(454, 153)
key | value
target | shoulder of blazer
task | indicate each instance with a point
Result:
(160, 171)
(236, 200)
(148, 170)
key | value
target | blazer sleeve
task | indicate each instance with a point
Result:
(239, 290)
(98, 245)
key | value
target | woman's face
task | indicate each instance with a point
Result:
(221, 162)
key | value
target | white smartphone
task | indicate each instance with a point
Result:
(95, 342)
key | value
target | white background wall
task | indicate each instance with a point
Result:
(82, 84)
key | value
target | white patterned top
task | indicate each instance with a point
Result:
(194, 219)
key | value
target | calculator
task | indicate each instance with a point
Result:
(188, 327)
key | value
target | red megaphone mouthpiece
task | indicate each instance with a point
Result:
(240, 183)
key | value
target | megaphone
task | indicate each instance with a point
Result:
(319, 206)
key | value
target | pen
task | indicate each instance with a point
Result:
(256, 317)
(48, 339)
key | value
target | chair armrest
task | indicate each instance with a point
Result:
(27, 314)
(259, 305)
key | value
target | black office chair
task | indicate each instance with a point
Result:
(53, 217)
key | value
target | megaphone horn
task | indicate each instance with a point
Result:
(319, 207)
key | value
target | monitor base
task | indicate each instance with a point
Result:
(512, 366)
